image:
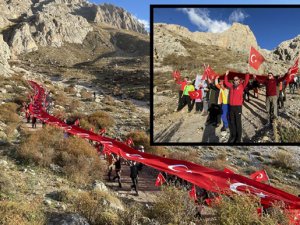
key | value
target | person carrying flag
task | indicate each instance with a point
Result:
(236, 91)
(271, 84)
(134, 176)
(118, 170)
(180, 92)
(186, 100)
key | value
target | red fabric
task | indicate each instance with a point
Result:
(195, 94)
(294, 216)
(210, 73)
(255, 58)
(102, 131)
(129, 142)
(193, 194)
(204, 177)
(271, 84)
(76, 122)
(182, 84)
(160, 180)
(294, 69)
(259, 176)
(92, 129)
(176, 75)
(226, 170)
(236, 93)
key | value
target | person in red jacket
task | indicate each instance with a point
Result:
(271, 93)
(236, 91)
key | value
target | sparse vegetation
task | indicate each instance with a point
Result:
(78, 160)
(242, 210)
(284, 160)
(289, 134)
(173, 206)
(21, 213)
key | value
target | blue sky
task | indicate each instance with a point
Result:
(270, 26)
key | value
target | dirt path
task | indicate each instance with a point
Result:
(180, 127)
(146, 181)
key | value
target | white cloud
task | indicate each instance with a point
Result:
(237, 16)
(200, 18)
(146, 24)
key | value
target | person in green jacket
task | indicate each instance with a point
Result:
(186, 100)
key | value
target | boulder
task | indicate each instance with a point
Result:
(67, 219)
(5, 55)
(22, 41)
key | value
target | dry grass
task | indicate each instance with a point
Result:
(284, 160)
(289, 134)
(141, 138)
(242, 210)
(91, 206)
(77, 158)
(8, 113)
(21, 213)
(173, 206)
(108, 100)
(86, 94)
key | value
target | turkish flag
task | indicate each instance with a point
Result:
(160, 180)
(176, 75)
(259, 176)
(76, 122)
(210, 73)
(193, 194)
(129, 142)
(102, 131)
(292, 71)
(226, 170)
(195, 94)
(255, 58)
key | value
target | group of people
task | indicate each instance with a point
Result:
(115, 162)
(223, 100)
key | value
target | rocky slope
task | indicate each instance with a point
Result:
(29, 25)
(175, 37)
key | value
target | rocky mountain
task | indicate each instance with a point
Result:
(172, 39)
(30, 24)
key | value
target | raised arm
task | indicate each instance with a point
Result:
(259, 79)
(228, 84)
(283, 78)
(217, 82)
(246, 80)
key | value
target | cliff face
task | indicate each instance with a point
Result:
(169, 39)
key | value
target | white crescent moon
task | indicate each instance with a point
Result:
(234, 187)
(252, 57)
(179, 165)
(260, 176)
(134, 155)
(197, 94)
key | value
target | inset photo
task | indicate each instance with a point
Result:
(225, 74)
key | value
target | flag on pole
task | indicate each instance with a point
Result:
(195, 94)
(193, 193)
(160, 180)
(259, 176)
(255, 58)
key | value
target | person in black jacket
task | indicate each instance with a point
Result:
(118, 170)
(134, 176)
(214, 116)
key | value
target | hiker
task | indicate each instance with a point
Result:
(271, 93)
(199, 101)
(293, 85)
(118, 170)
(255, 86)
(182, 86)
(111, 161)
(214, 116)
(235, 104)
(205, 94)
(186, 100)
(33, 121)
(27, 114)
(280, 101)
(223, 99)
(247, 93)
(134, 176)
(140, 165)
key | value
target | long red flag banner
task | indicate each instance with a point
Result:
(204, 177)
